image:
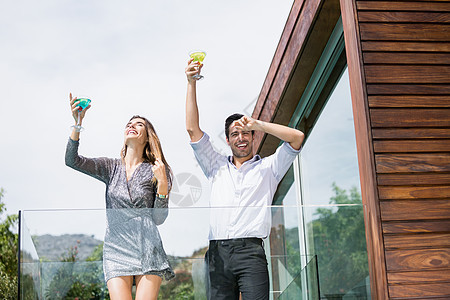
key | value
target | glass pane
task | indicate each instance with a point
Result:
(330, 176)
(66, 262)
(297, 289)
(329, 154)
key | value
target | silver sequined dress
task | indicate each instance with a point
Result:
(132, 245)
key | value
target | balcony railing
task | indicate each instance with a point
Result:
(61, 251)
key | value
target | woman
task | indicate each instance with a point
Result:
(140, 179)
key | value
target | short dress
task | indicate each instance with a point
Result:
(132, 244)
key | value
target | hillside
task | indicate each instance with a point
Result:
(52, 248)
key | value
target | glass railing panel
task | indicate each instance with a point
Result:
(71, 280)
(304, 285)
(29, 266)
(65, 249)
(336, 235)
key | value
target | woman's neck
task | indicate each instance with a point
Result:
(134, 155)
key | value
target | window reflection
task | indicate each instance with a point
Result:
(334, 220)
(329, 153)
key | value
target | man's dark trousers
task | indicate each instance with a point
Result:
(237, 266)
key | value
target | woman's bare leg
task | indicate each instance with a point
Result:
(120, 287)
(147, 287)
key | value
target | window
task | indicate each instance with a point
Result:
(325, 182)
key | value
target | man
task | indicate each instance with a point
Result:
(242, 185)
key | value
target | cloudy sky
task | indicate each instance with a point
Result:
(129, 58)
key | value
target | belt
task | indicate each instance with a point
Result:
(237, 241)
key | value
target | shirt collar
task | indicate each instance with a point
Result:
(255, 158)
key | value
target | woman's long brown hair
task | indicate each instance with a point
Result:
(152, 150)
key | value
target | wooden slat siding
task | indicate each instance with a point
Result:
(405, 46)
(411, 277)
(413, 210)
(403, 6)
(407, 74)
(402, 32)
(426, 290)
(405, 146)
(414, 179)
(414, 192)
(404, 17)
(402, 58)
(420, 259)
(400, 227)
(406, 58)
(358, 88)
(411, 133)
(415, 117)
(417, 241)
(408, 101)
(422, 298)
(405, 52)
(446, 297)
(412, 163)
(408, 89)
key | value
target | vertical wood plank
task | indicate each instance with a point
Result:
(374, 238)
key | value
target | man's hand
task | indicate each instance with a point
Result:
(247, 123)
(193, 68)
(291, 135)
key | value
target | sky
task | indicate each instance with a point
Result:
(129, 58)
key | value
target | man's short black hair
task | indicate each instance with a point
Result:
(229, 121)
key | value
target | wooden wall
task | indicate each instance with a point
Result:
(398, 54)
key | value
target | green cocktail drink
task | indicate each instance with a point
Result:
(84, 102)
(198, 56)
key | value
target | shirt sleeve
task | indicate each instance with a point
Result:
(209, 159)
(282, 160)
(99, 168)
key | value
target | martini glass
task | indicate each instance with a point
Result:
(199, 56)
(84, 102)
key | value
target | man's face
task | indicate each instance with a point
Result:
(240, 142)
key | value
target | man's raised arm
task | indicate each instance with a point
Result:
(192, 116)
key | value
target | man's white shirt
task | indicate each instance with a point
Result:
(240, 197)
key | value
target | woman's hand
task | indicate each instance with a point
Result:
(193, 68)
(76, 109)
(159, 171)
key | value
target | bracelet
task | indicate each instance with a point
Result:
(162, 196)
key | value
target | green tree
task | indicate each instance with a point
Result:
(340, 244)
(8, 253)
(75, 279)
